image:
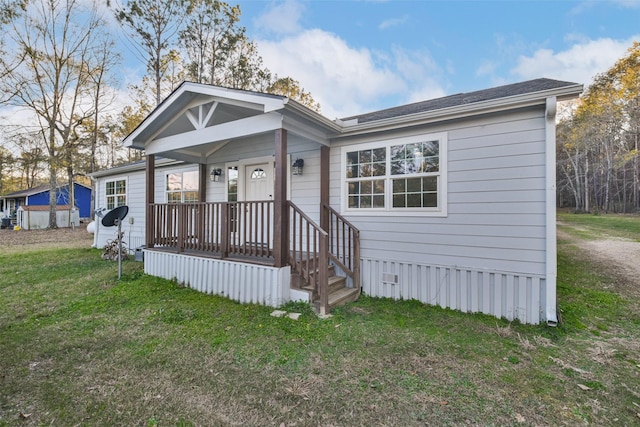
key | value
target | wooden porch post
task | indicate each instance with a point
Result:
(324, 188)
(280, 206)
(149, 199)
(202, 183)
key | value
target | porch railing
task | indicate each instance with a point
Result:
(220, 229)
(309, 254)
(245, 230)
(344, 244)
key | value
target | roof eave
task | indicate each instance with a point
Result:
(132, 167)
(303, 110)
(459, 111)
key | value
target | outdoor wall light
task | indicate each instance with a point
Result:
(297, 167)
(215, 175)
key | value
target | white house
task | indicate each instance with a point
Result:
(449, 201)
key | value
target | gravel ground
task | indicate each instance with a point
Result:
(618, 258)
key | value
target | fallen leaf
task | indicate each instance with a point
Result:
(520, 418)
(584, 387)
(24, 416)
(444, 403)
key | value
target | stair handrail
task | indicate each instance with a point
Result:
(309, 249)
(343, 234)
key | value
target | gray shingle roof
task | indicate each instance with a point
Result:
(522, 88)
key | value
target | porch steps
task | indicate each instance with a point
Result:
(339, 294)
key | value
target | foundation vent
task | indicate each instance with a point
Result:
(390, 278)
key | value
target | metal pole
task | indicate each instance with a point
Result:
(119, 222)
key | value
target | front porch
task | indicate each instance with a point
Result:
(268, 219)
(227, 248)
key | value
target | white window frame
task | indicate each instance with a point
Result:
(115, 195)
(388, 210)
(182, 191)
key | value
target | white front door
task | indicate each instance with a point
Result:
(256, 219)
(258, 181)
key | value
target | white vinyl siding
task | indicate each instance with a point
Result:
(495, 225)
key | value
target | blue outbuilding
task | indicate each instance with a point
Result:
(39, 196)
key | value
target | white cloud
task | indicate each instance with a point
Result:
(281, 18)
(580, 63)
(348, 81)
(342, 79)
(393, 22)
(487, 68)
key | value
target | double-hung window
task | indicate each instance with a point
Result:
(404, 175)
(116, 193)
(182, 187)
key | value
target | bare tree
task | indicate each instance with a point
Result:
(155, 25)
(60, 41)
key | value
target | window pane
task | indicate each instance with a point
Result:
(353, 202)
(190, 181)
(379, 169)
(365, 170)
(365, 156)
(397, 167)
(121, 200)
(399, 185)
(398, 201)
(173, 197)
(379, 155)
(174, 181)
(365, 187)
(232, 184)
(111, 203)
(378, 201)
(190, 196)
(354, 188)
(121, 187)
(414, 185)
(430, 183)
(111, 188)
(413, 200)
(378, 186)
(430, 148)
(365, 201)
(258, 173)
(352, 158)
(397, 152)
(430, 200)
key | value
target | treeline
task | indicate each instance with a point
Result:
(598, 167)
(61, 68)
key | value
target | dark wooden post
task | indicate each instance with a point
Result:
(324, 188)
(280, 207)
(202, 183)
(149, 199)
(202, 198)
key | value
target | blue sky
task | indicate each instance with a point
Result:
(358, 56)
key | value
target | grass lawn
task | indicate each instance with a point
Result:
(79, 347)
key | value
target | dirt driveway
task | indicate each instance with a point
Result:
(12, 241)
(617, 257)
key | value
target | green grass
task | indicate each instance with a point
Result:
(79, 347)
(596, 226)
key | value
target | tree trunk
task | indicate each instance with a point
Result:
(586, 184)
